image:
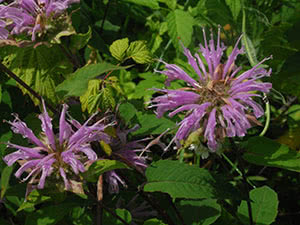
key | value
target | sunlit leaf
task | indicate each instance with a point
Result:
(139, 52)
(118, 48)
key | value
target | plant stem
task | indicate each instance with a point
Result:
(245, 183)
(99, 198)
(104, 17)
(23, 84)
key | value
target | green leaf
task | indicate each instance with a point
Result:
(180, 26)
(196, 212)
(5, 177)
(127, 111)
(89, 100)
(179, 180)
(154, 222)
(34, 198)
(264, 204)
(265, 152)
(235, 7)
(49, 215)
(139, 52)
(77, 83)
(40, 68)
(110, 219)
(118, 48)
(101, 166)
(153, 4)
(78, 41)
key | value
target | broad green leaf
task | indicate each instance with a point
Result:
(265, 152)
(180, 27)
(110, 219)
(127, 111)
(101, 166)
(77, 83)
(235, 7)
(118, 48)
(139, 52)
(199, 212)
(153, 4)
(34, 198)
(49, 215)
(216, 11)
(5, 177)
(78, 41)
(154, 222)
(264, 204)
(179, 180)
(40, 68)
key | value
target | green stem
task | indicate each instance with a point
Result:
(268, 116)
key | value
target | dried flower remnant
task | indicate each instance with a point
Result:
(61, 157)
(34, 18)
(221, 101)
(126, 151)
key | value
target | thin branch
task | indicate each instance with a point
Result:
(23, 84)
(104, 17)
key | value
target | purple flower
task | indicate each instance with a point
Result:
(126, 151)
(33, 17)
(64, 155)
(220, 102)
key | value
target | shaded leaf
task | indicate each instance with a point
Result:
(153, 4)
(264, 204)
(110, 219)
(235, 7)
(101, 166)
(265, 152)
(5, 177)
(127, 111)
(154, 222)
(78, 41)
(34, 198)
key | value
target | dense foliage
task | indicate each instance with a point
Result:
(180, 112)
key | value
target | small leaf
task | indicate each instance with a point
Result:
(180, 24)
(118, 48)
(89, 99)
(106, 148)
(34, 198)
(235, 7)
(265, 152)
(264, 204)
(77, 83)
(78, 41)
(139, 52)
(5, 177)
(101, 166)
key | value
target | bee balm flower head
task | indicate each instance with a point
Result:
(220, 101)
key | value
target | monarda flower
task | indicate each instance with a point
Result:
(59, 157)
(34, 18)
(221, 100)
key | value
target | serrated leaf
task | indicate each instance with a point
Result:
(235, 7)
(101, 166)
(118, 48)
(179, 180)
(78, 41)
(89, 96)
(5, 177)
(139, 52)
(49, 215)
(107, 98)
(265, 152)
(264, 204)
(153, 4)
(180, 26)
(195, 212)
(40, 68)
(77, 83)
